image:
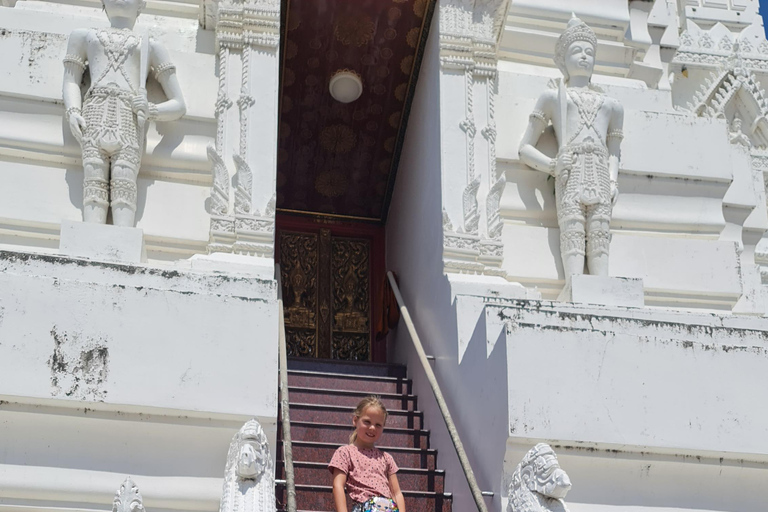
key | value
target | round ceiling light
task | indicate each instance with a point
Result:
(345, 86)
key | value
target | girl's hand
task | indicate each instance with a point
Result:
(339, 481)
(397, 494)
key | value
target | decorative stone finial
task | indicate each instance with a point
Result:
(538, 483)
(249, 483)
(128, 498)
(577, 31)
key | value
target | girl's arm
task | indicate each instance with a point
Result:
(339, 481)
(397, 494)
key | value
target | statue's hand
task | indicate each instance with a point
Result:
(564, 163)
(77, 125)
(614, 193)
(140, 104)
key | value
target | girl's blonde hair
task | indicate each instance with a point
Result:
(369, 401)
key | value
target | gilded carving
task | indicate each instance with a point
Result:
(349, 269)
(406, 65)
(412, 38)
(351, 347)
(420, 8)
(354, 30)
(331, 183)
(400, 91)
(337, 138)
(299, 275)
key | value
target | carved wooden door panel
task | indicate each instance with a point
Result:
(326, 295)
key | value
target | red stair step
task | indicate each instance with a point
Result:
(369, 385)
(322, 452)
(320, 498)
(329, 433)
(342, 415)
(349, 398)
(410, 479)
(347, 367)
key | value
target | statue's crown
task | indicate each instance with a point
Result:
(536, 452)
(252, 429)
(577, 31)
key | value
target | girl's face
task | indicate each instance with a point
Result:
(369, 426)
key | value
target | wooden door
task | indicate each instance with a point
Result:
(327, 292)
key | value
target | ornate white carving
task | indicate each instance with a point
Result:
(128, 498)
(538, 483)
(244, 178)
(249, 482)
(588, 128)
(471, 209)
(241, 29)
(109, 122)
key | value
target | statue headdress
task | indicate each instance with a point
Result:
(577, 31)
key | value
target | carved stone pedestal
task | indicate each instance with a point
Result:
(606, 291)
(102, 242)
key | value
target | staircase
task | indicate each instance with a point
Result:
(322, 396)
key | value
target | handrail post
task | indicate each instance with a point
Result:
(477, 494)
(290, 484)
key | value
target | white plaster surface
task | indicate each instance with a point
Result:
(121, 369)
(608, 291)
(100, 242)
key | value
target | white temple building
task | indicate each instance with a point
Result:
(343, 139)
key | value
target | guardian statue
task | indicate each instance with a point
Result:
(588, 127)
(109, 121)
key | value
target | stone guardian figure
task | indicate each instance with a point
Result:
(109, 121)
(588, 127)
(249, 481)
(538, 483)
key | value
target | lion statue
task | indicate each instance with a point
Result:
(249, 481)
(538, 484)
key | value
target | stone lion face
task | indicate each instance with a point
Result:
(546, 477)
(250, 459)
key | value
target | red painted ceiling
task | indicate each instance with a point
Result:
(341, 159)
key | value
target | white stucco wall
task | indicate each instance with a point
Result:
(110, 370)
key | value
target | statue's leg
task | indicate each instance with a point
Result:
(572, 236)
(598, 239)
(95, 184)
(125, 172)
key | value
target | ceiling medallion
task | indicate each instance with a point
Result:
(354, 30)
(331, 184)
(345, 86)
(338, 139)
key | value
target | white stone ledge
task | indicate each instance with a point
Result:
(65, 488)
(642, 379)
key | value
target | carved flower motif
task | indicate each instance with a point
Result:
(354, 30)
(406, 65)
(337, 138)
(394, 120)
(288, 77)
(331, 183)
(389, 145)
(412, 38)
(400, 91)
(420, 8)
(394, 13)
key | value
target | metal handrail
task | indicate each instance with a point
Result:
(290, 483)
(477, 494)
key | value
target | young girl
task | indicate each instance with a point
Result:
(367, 473)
